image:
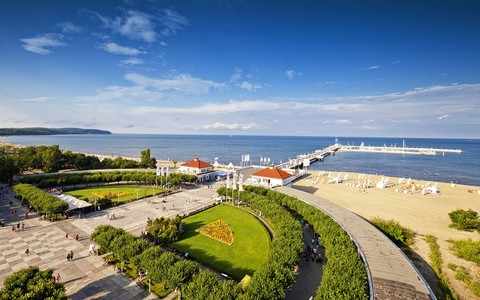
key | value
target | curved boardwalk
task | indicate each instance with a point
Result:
(391, 274)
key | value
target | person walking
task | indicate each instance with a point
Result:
(68, 256)
(66, 236)
(76, 237)
(58, 278)
(71, 255)
(27, 251)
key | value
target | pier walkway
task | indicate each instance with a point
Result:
(397, 150)
(391, 274)
(311, 157)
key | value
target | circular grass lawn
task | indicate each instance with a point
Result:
(127, 192)
(250, 248)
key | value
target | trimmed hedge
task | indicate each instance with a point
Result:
(397, 233)
(344, 274)
(40, 200)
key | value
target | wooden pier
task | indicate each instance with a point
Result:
(306, 159)
(397, 150)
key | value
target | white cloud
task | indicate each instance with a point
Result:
(290, 74)
(36, 99)
(249, 86)
(142, 26)
(342, 121)
(172, 22)
(42, 42)
(122, 50)
(443, 117)
(69, 27)
(237, 75)
(374, 67)
(184, 83)
(232, 126)
(132, 61)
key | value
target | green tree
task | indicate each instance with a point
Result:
(145, 160)
(9, 164)
(31, 283)
(52, 159)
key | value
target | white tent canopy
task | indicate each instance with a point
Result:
(73, 203)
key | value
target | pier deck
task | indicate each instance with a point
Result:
(311, 157)
(396, 150)
(391, 274)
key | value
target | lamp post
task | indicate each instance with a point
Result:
(95, 200)
(137, 190)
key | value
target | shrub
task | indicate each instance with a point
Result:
(467, 220)
(467, 249)
(397, 233)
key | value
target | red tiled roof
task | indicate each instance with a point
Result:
(272, 173)
(196, 163)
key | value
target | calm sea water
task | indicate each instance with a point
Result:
(462, 168)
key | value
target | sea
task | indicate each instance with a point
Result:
(463, 168)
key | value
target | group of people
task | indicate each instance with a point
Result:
(311, 252)
(18, 226)
(70, 255)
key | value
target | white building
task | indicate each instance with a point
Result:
(203, 170)
(271, 177)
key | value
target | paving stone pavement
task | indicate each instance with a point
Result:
(84, 277)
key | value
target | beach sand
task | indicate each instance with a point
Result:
(424, 214)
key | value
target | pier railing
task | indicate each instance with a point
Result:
(397, 150)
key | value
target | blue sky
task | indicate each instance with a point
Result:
(344, 68)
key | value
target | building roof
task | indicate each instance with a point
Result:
(272, 172)
(196, 163)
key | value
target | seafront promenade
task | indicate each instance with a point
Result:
(391, 274)
(85, 277)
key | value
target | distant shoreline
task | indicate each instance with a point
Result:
(49, 131)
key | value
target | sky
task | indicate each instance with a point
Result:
(301, 68)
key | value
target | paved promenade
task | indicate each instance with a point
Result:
(84, 277)
(392, 274)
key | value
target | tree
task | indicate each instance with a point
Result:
(145, 160)
(52, 159)
(31, 283)
(9, 164)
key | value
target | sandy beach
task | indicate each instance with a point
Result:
(423, 213)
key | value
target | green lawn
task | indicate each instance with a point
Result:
(247, 253)
(130, 192)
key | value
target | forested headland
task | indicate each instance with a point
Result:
(49, 131)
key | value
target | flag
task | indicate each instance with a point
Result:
(261, 159)
(228, 182)
(234, 182)
(167, 172)
(240, 183)
(158, 170)
(162, 172)
(269, 159)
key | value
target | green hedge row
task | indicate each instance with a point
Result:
(100, 177)
(162, 266)
(344, 274)
(41, 201)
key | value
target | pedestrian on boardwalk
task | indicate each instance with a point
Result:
(27, 251)
(71, 255)
(18, 226)
(23, 226)
(68, 256)
(66, 236)
(13, 227)
(76, 237)
(58, 278)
